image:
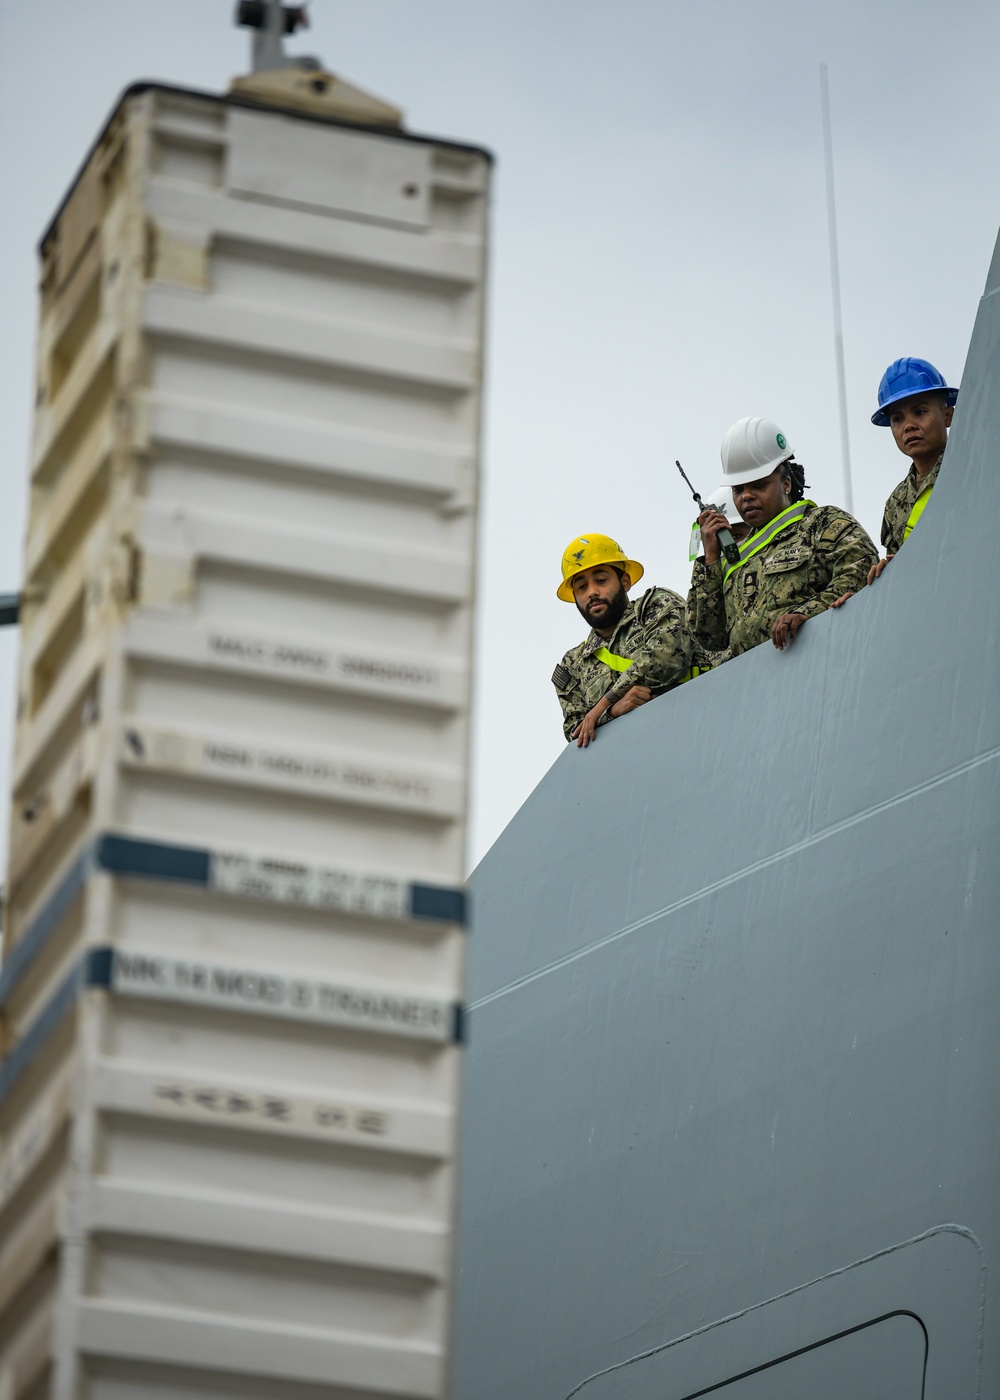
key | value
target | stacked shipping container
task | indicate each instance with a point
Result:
(233, 962)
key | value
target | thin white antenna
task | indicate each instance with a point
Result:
(838, 326)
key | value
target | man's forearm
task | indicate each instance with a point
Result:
(573, 718)
(658, 666)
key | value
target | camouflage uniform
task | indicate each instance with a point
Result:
(712, 659)
(901, 502)
(807, 565)
(652, 633)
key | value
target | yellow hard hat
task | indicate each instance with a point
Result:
(586, 552)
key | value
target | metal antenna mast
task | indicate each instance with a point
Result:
(268, 49)
(838, 326)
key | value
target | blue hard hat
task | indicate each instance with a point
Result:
(907, 377)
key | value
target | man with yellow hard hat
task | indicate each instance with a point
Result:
(635, 650)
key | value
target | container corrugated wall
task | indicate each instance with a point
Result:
(232, 974)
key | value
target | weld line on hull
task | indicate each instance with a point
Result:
(795, 849)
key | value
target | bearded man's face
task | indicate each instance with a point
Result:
(601, 596)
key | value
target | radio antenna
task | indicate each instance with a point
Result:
(838, 326)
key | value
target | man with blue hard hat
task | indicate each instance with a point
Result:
(916, 403)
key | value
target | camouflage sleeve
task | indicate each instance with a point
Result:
(706, 607)
(894, 521)
(843, 553)
(886, 533)
(571, 697)
(661, 653)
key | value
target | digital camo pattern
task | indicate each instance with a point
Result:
(803, 570)
(901, 502)
(653, 633)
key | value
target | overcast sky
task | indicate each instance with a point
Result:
(659, 262)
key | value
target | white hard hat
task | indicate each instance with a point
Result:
(722, 500)
(753, 448)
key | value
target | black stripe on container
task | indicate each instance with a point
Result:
(98, 967)
(447, 906)
(121, 855)
(45, 1024)
(42, 927)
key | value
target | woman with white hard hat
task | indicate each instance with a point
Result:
(798, 559)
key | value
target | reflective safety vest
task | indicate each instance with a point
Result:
(754, 543)
(617, 663)
(919, 506)
(622, 663)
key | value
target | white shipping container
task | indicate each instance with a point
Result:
(232, 976)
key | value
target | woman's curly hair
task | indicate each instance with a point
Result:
(796, 474)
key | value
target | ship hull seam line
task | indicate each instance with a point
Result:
(949, 1228)
(796, 848)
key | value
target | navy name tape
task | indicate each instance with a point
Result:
(127, 857)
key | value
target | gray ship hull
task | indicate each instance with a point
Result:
(731, 1103)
